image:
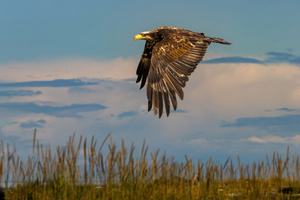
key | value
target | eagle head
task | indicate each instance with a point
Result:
(147, 35)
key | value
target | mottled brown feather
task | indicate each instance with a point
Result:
(170, 56)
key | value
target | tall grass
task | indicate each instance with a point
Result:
(81, 171)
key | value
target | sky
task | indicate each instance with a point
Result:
(69, 67)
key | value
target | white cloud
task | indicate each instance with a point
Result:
(276, 139)
(198, 141)
(119, 68)
(242, 89)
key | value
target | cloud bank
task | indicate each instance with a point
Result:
(33, 124)
(270, 58)
(224, 104)
(52, 83)
(57, 111)
(11, 93)
(276, 139)
(288, 123)
(235, 59)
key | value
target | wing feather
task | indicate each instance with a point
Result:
(166, 93)
(173, 60)
(160, 99)
(144, 64)
(170, 88)
(155, 99)
(167, 103)
(149, 96)
(175, 83)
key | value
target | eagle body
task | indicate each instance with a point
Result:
(170, 56)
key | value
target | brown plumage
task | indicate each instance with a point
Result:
(170, 56)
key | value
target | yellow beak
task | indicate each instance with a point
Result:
(138, 37)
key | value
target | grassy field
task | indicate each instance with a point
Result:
(67, 174)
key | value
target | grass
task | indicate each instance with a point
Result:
(67, 174)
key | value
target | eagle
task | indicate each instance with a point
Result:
(170, 55)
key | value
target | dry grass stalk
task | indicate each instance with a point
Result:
(66, 174)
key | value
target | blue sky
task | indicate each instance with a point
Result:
(69, 66)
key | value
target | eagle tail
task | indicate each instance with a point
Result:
(218, 40)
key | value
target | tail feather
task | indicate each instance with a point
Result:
(218, 40)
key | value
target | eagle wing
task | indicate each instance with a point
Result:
(173, 60)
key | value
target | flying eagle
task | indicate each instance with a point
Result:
(170, 56)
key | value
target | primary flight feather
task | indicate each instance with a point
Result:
(170, 56)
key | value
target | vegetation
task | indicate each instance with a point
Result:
(118, 175)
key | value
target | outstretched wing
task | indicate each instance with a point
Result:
(144, 64)
(173, 60)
